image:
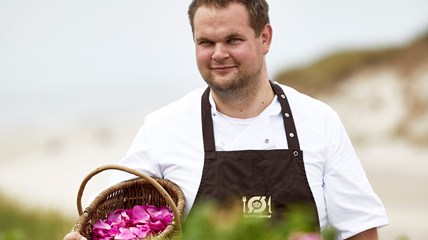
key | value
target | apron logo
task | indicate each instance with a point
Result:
(257, 206)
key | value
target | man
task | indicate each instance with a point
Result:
(246, 136)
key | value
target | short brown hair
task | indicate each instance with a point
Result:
(258, 9)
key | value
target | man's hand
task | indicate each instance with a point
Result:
(74, 236)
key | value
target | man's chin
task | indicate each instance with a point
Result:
(222, 85)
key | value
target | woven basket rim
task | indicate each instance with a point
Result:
(174, 229)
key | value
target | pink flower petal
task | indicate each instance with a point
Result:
(102, 225)
(125, 216)
(114, 231)
(139, 215)
(157, 226)
(164, 214)
(145, 230)
(136, 223)
(125, 234)
(140, 233)
(99, 233)
(114, 217)
(152, 210)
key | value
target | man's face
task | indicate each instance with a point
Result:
(228, 53)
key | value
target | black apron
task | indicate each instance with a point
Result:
(268, 182)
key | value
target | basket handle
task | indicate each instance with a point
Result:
(152, 181)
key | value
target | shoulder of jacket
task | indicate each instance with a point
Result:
(302, 101)
(187, 105)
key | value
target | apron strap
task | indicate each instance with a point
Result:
(207, 125)
(287, 117)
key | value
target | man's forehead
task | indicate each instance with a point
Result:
(221, 21)
(218, 30)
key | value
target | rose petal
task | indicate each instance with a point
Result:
(152, 210)
(114, 217)
(125, 215)
(139, 232)
(139, 215)
(157, 226)
(125, 234)
(99, 233)
(114, 231)
(136, 223)
(164, 214)
(102, 225)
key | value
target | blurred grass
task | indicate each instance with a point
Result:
(19, 222)
(325, 73)
(209, 222)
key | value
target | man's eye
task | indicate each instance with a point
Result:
(205, 43)
(234, 40)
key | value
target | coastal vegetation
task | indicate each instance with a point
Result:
(325, 73)
(19, 222)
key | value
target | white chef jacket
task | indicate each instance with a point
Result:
(170, 145)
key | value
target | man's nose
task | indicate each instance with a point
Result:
(220, 52)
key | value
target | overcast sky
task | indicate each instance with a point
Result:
(59, 51)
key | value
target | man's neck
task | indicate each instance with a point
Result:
(246, 107)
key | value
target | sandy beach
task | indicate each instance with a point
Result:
(398, 174)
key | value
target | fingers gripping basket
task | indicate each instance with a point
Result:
(141, 191)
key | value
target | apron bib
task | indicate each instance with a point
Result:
(268, 182)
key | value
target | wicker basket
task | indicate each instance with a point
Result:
(141, 191)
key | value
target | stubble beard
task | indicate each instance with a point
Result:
(240, 87)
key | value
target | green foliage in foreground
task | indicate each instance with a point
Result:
(207, 223)
(22, 223)
(19, 222)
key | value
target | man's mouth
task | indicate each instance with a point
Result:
(222, 69)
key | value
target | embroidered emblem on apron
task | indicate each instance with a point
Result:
(257, 206)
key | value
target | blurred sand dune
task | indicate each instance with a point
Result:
(391, 137)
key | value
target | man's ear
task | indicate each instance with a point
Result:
(266, 37)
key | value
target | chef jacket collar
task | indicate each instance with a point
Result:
(273, 109)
